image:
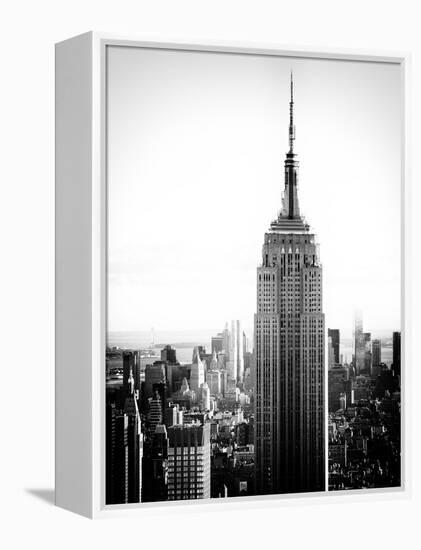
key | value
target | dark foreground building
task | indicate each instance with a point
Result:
(124, 446)
(396, 366)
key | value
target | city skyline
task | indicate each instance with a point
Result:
(358, 100)
(206, 332)
(188, 339)
(215, 402)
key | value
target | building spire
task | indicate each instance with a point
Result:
(291, 117)
(131, 382)
(289, 218)
(291, 165)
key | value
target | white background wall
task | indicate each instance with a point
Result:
(28, 32)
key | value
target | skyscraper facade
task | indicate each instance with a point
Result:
(205, 401)
(131, 363)
(155, 466)
(116, 460)
(376, 347)
(134, 445)
(154, 375)
(217, 343)
(330, 353)
(155, 414)
(189, 462)
(396, 365)
(359, 345)
(367, 352)
(213, 378)
(169, 355)
(239, 336)
(335, 335)
(197, 374)
(289, 347)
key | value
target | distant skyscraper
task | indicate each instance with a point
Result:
(189, 462)
(239, 335)
(235, 365)
(154, 374)
(245, 345)
(330, 353)
(367, 352)
(205, 397)
(197, 373)
(134, 445)
(169, 354)
(224, 382)
(359, 347)
(335, 335)
(217, 343)
(396, 365)
(184, 397)
(225, 340)
(289, 347)
(198, 350)
(233, 353)
(221, 361)
(362, 346)
(155, 413)
(213, 378)
(376, 347)
(131, 362)
(214, 362)
(338, 376)
(174, 415)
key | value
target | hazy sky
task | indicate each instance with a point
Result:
(196, 149)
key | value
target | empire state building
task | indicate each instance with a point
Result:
(289, 347)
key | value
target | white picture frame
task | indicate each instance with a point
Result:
(81, 269)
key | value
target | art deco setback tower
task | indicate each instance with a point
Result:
(289, 345)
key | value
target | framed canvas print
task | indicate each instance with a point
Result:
(231, 288)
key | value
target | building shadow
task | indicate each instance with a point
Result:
(47, 495)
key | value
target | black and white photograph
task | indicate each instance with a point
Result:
(253, 275)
